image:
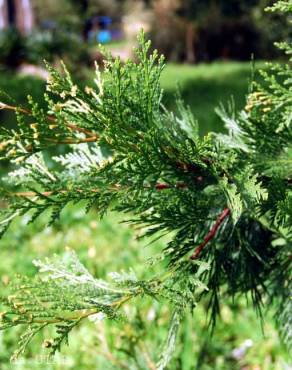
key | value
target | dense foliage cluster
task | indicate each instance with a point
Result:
(50, 45)
(224, 199)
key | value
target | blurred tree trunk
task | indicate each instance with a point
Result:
(24, 17)
(190, 43)
(3, 15)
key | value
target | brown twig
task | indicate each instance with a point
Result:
(52, 119)
(211, 234)
(70, 140)
(30, 194)
(163, 186)
(83, 130)
(158, 187)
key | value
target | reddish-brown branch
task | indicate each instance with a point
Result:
(211, 234)
(70, 140)
(30, 194)
(81, 129)
(52, 119)
(159, 186)
(163, 186)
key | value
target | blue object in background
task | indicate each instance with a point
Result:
(104, 36)
(104, 21)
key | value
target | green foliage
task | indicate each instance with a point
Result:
(11, 47)
(66, 295)
(282, 5)
(230, 194)
(50, 45)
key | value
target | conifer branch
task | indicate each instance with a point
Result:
(71, 126)
(212, 233)
(159, 186)
(90, 139)
(158, 169)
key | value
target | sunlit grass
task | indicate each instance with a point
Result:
(204, 87)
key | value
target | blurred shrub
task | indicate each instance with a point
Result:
(51, 45)
(12, 49)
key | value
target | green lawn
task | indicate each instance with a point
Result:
(206, 86)
(109, 245)
(105, 246)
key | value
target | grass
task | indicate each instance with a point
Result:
(206, 86)
(109, 245)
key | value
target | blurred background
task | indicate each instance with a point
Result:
(209, 46)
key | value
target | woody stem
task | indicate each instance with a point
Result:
(212, 233)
